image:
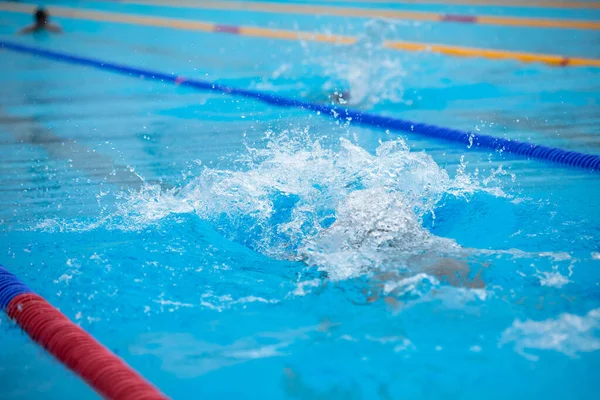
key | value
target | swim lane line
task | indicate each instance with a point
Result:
(470, 140)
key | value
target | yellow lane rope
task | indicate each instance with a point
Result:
(456, 51)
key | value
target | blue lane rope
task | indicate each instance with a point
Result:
(470, 139)
(10, 287)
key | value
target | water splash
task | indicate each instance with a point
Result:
(335, 206)
(366, 70)
(372, 74)
(568, 334)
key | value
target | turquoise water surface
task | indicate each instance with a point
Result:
(226, 248)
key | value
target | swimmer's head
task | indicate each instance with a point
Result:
(41, 16)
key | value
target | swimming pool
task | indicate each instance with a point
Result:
(225, 247)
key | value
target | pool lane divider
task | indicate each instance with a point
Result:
(283, 34)
(77, 350)
(356, 12)
(469, 139)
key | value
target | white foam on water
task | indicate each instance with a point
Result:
(409, 285)
(337, 207)
(568, 334)
(369, 72)
(334, 206)
(372, 73)
(301, 287)
(220, 303)
(400, 343)
(552, 279)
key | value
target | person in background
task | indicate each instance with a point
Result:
(42, 23)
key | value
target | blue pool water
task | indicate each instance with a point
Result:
(226, 248)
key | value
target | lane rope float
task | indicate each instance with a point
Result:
(337, 11)
(469, 139)
(283, 34)
(77, 350)
(583, 5)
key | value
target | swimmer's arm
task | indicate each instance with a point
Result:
(26, 30)
(54, 28)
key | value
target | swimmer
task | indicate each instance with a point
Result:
(41, 23)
